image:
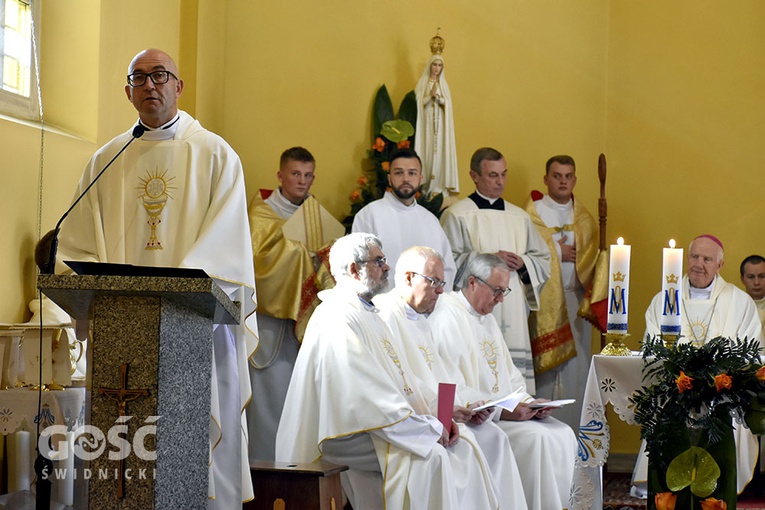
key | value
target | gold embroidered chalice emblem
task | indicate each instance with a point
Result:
(489, 349)
(391, 352)
(155, 189)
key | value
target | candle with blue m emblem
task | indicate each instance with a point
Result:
(671, 289)
(618, 287)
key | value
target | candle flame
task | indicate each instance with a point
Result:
(671, 243)
(620, 241)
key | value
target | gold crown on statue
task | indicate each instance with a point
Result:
(437, 43)
(619, 277)
(671, 278)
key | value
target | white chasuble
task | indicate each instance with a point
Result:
(471, 345)
(349, 383)
(400, 226)
(416, 342)
(471, 230)
(181, 202)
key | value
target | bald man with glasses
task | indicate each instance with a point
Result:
(175, 198)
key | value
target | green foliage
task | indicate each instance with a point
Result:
(408, 109)
(382, 110)
(678, 421)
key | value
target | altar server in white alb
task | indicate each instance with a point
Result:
(470, 344)
(354, 400)
(176, 198)
(399, 221)
(419, 282)
(711, 307)
(753, 278)
(485, 223)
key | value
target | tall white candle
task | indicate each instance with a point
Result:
(671, 289)
(19, 461)
(64, 482)
(618, 287)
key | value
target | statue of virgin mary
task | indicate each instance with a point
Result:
(434, 133)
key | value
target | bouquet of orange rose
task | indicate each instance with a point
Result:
(686, 412)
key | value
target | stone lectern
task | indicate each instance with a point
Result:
(151, 360)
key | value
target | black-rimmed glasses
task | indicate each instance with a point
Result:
(380, 261)
(157, 78)
(434, 282)
(498, 291)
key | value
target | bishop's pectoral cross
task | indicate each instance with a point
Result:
(122, 396)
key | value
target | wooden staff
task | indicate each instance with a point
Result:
(602, 217)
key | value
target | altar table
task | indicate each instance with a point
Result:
(611, 380)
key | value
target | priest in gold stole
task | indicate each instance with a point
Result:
(291, 235)
(176, 198)
(561, 340)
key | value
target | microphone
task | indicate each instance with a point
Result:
(45, 251)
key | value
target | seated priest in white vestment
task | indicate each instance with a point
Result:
(485, 223)
(399, 221)
(289, 273)
(354, 400)
(471, 345)
(419, 282)
(753, 277)
(710, 307)
(176, 198)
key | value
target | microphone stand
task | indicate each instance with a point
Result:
(45, 257)
(45, 252)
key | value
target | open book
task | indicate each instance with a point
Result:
(509, 402)
(552, 403)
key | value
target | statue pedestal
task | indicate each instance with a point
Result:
(151, 353)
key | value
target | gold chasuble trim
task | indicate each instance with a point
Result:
(314, 234)
(552, 341)
(287, 282)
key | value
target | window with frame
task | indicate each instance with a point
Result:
(18, 96)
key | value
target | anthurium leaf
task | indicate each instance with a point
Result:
(397, 130)
(694, 467)
(408, 109)
(383, 109)
(755, 420)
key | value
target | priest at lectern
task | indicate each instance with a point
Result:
(176, 198)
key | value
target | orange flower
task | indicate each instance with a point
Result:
(723, 381)
(379, 144)
(362, 181)
(761, 373)
(683, 382)
(713, 504)
(404, 144)
(355, 195)
(665, 501)
(385, 165)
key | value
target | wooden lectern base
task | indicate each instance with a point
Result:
(287, 486)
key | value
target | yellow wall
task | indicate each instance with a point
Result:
(671, 92)
(684, 135)
(305, 73)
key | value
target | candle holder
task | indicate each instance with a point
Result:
(615, 345)
(670, 340)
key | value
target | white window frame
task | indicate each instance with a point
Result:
(16, 105)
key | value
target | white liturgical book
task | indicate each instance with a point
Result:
(552, 403)
(509, 402)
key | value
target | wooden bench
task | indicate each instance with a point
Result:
(288, 486)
